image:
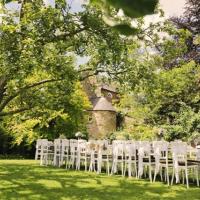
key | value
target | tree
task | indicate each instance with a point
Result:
(131, 9)
(39, 51)
(164, 84)
(39, 75)
(190, 21)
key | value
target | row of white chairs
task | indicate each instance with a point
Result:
(137, 158)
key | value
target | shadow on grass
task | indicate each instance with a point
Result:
(25, 180)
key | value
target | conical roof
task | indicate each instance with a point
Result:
(108, 88)
(101, 103)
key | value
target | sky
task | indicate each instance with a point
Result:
(171, 7)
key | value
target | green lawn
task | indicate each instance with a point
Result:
(25, 179)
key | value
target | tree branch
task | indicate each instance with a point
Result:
(3, 82)
(85, 69)
(110, 73)
(11, 97)
(64, 36)
(2, 114)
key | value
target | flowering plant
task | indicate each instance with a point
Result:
(79, 134)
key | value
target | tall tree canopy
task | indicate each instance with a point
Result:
(39, 75)
(131, 9)
(191, 21)
(165, 81)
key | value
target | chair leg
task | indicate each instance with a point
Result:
(129, 169)
(112, 168)
(125, 167)
(70, 162)
(98, 166)
(66, 163)
(183, 177)
(186, 175)
(73, 162)
(136, 174)
(150, 175)
(173, 173)
(161, 176)
(193, 171)
(145, 173)
(60, 161)
(197, 176)
(133, 170)
(36, 155)
(167, 173)
(155, 174)
(86, 163)
(108, 167)
(78, 164)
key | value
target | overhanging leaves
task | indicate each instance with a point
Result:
(135, 8)
(131, 9)
(125, 29)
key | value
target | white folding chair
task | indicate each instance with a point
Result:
(130, 158)
(39, 148)
(46, 152)
(73, 152)
(104, 156)
(144, 158)
(118, 156)
(81, 154)
(65, 152)
(57, 152)
(160, 152)
(180, 163)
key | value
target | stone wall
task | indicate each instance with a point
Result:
(101, 124)
(109, 95)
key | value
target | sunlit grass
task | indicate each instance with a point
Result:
(26, 180)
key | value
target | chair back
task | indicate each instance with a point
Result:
(57, 146)
(73, 145)
(179, 151)
(65, 145)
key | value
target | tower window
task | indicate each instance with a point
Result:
(109, 95)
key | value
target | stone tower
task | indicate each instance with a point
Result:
(102, 115)
(102, 118)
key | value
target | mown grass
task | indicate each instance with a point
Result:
(26, 180)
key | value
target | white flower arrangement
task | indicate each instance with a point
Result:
(79, 134)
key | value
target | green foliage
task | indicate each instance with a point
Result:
(136, 115)
(6, 1)
(131, 9)
(40, 92)
(162, 88)
(143, 132)
(172, 88)
(136, 132)
(169, 99)
(51, 123)
(186, 125)
(136, 8)
(125, 29)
